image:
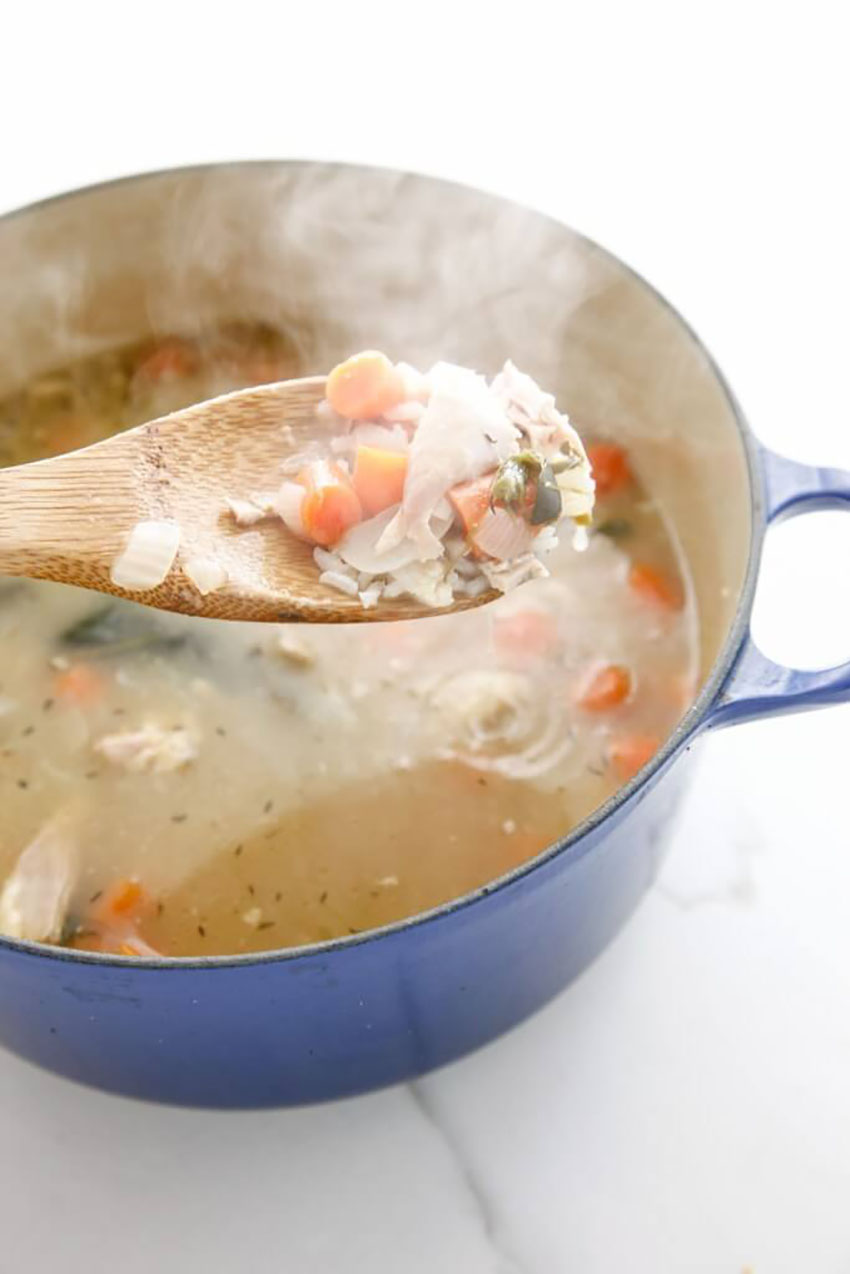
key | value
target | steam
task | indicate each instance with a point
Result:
(337, 258)
(342, 258)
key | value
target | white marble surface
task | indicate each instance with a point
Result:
(685, 1107)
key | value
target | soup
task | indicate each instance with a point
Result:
(224, 788)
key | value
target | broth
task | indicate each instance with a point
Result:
(332, 779)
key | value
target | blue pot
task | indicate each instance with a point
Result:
(370, 1010)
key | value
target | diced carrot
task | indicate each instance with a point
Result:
(113, 918)
(169, 360)
(610, 467)
(606, 688)
(528, 633)
(365, 386)
(330, 505)
(80, 685)
(379, 478)
(471, 500)
(654, 586)
(631, 752)
(123, 900)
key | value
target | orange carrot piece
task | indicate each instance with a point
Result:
(610, 467)
(365, 386)
(113, 920)
(654, 586)
(330, 506)
(529, 632)
(379, 478)
(80, 685)
(123, 900)
(606, 688)
(631, 752)
(471, 500)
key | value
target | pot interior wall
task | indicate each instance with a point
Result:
(345, 257)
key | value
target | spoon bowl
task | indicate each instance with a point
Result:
(69, 518)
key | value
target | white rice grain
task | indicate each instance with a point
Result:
(328, 561)
(342, 583)
(370, 596)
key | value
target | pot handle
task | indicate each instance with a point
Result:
(756, 686)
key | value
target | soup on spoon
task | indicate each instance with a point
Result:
(434, 492)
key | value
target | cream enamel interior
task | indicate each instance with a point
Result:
(344, 258)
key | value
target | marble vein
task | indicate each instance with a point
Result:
(505, 1261)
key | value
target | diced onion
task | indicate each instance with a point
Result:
(148, 557)
(246, 512)
(294, 648)
(406, 413)
(206, 574)
(290, 498)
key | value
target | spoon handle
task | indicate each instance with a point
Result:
(68, 517)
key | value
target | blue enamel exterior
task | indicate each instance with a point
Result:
(371, 1010)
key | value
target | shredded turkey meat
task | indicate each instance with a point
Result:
(35, 897)
(148, 750)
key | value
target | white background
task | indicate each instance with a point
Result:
(686, 1106)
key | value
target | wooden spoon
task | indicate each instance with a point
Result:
(69, 518)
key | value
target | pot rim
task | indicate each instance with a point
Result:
(579, 841)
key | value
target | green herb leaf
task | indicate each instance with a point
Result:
(615, 528)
